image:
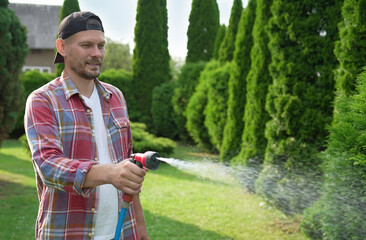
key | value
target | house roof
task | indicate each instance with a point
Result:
(41, 22)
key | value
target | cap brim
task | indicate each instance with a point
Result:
(59, 58)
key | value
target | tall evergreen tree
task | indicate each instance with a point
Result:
(237, 84)
(151, 55)
(162, 111)
(215, 109)
(226, 51)
(203, 25)
(13, 49)
(340, 211)
(67, 8)
(196, 107)
(258, 80)
(185, 87)
(218, 41)
(299, 102)
(350, 48)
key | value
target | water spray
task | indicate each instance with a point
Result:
(149, 161)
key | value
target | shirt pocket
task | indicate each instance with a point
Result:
(121, 138)
(121, 123)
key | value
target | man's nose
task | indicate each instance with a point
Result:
(96, 51)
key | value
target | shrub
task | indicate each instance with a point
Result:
(144, 141)
(340, 212)
(186, 84)
(195, 108)
(31, 81)
(217, 78)
(13, 49)
(162, 110)
(24, 141)
(123, 81)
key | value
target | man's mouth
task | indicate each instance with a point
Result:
(94, 63)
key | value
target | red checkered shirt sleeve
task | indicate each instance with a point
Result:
(44, 138)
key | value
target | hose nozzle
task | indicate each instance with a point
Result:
(147, 160)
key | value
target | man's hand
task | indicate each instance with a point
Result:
(125, 176)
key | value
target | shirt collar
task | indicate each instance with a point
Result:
(70, 88)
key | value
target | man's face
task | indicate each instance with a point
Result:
(85, 53)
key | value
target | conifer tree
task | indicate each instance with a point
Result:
(218, 41)
(237, 85)
(202, 30)
(215, 109)
(13, 39)
(258, 80)
(299, 102)
(68, 7)
(227, 47)
(151, 55)
(185, 87)
(162, 111)
(196, 107)
(340, 213)
(350, 48)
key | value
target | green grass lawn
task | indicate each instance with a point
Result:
(177, 205)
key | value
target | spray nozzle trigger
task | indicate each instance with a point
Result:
(136, 162)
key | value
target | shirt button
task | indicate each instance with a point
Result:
(88, 110)
(93, 209)
(96, 159)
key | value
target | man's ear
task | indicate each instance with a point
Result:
(60, 45)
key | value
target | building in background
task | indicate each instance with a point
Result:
(41, 22)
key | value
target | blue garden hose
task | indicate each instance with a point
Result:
(122, 214)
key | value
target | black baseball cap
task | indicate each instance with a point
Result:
(74, 23)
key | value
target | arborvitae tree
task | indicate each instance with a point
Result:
(217, 93)
(350, 48)
(227, 47)
(151, 55)
(203, 25)
(13, 49)
(195, 109)
(162, 111)
(185, 87)
(218, 41)
(341, 210)
(67, 8)
(258, 79)
(237, 84)
(338, 214)
(299, 102)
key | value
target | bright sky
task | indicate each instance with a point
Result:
(118, 17)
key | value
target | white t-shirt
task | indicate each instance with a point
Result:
(107, 209)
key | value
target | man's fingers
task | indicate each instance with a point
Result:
(128, 177)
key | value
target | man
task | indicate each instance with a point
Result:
(79, 134)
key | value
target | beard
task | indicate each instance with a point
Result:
(81, 68)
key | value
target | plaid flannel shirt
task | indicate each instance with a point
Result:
(60, 134)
